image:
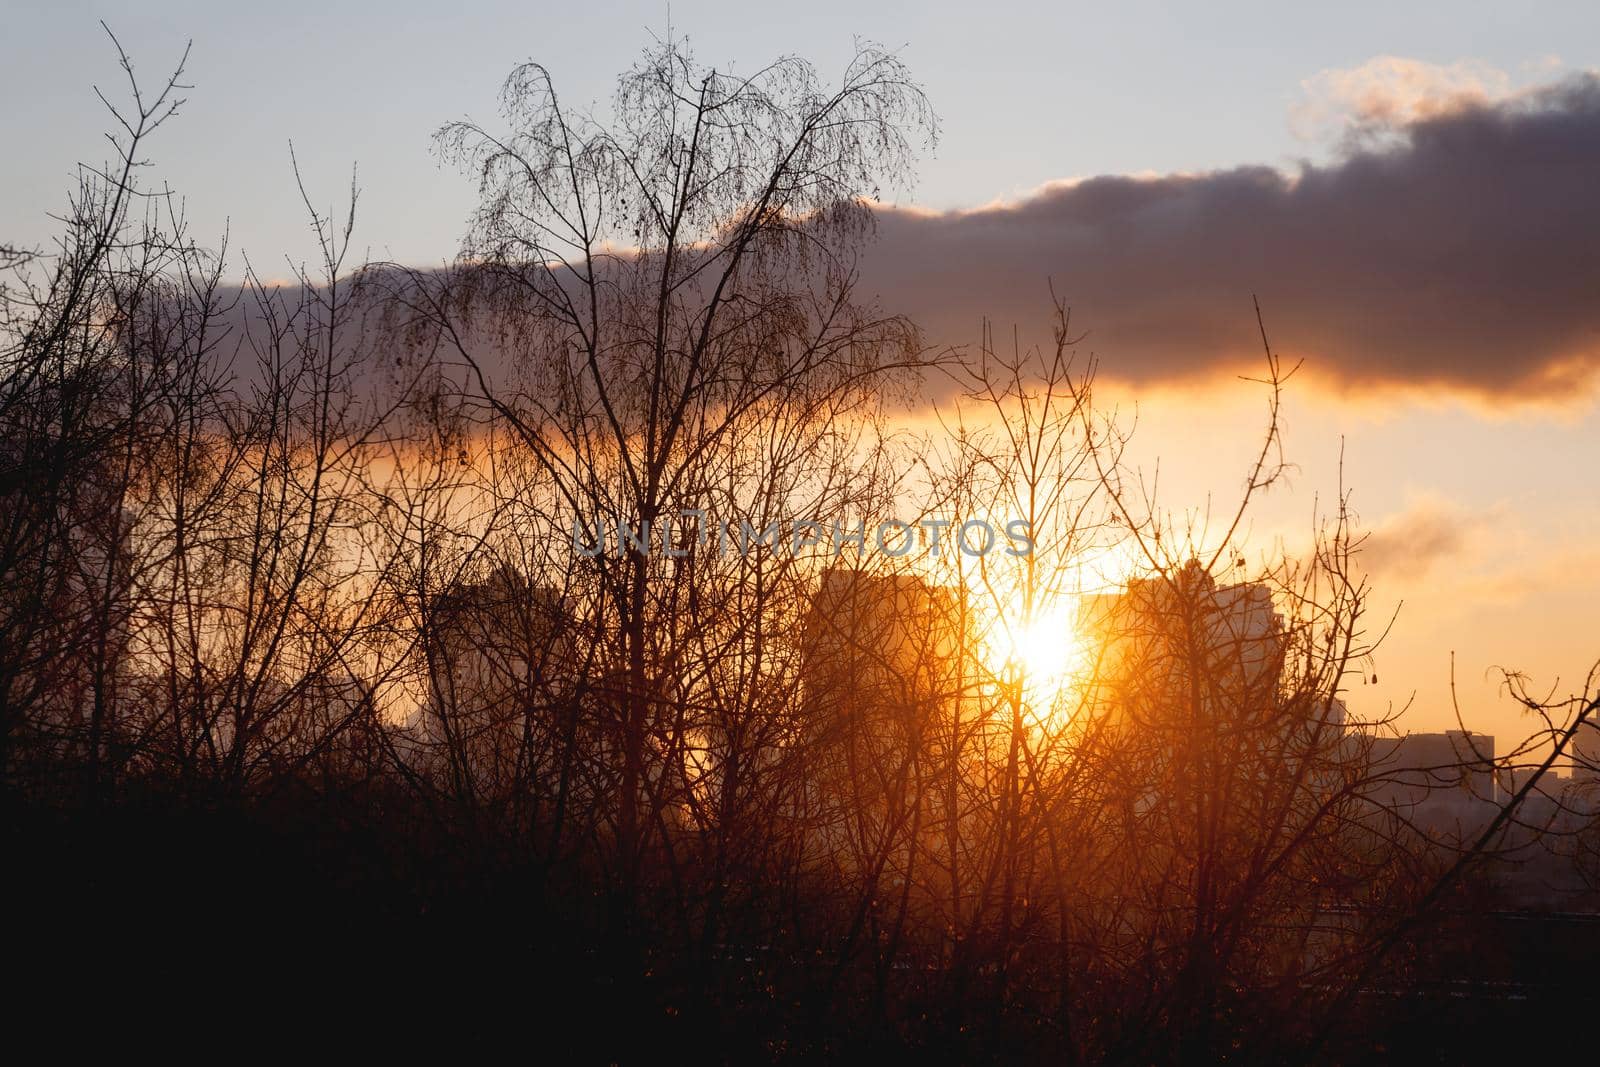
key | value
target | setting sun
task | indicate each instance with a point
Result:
(1047, 649)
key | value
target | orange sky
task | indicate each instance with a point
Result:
(1484, 528)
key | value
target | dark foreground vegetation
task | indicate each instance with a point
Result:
(159, 917)
(319, 710)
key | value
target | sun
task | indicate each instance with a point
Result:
(1045, 650)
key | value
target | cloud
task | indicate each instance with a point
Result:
(1458, 254)
(1393, 91)
(1462, 254)
(1409, 544)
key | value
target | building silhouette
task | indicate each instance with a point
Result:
(498, 654)
(1185, 646)
(883, 659)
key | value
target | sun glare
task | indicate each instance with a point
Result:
(1046, 650)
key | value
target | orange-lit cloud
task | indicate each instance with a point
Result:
(1395, 91)
(1406, 546)
(1462, 253)
(1458, 256)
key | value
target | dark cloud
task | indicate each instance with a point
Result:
(1459, 251)
(1463, 252)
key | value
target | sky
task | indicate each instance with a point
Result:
(1464, 407)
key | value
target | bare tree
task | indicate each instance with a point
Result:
(633, 373)
(74, 403)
